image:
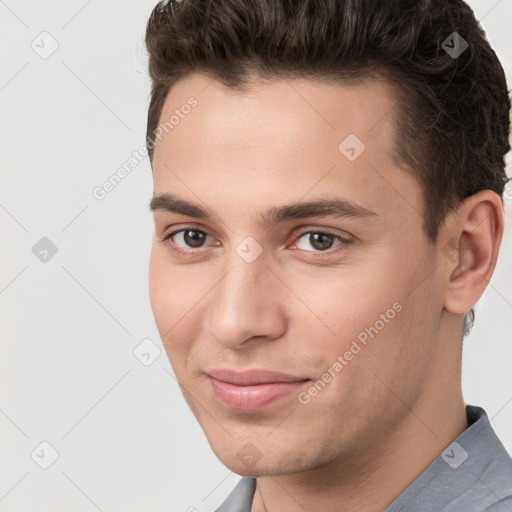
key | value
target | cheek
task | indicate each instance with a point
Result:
(340, 303)
(161, 298)
(173, 302)
(173, 289)
(380, 351)
(376, 313)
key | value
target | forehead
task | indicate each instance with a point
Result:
(288, 136)
(284, 108)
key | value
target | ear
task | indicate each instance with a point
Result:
(471, 241)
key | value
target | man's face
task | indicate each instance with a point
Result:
(346, 305)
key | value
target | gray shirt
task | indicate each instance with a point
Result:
(473, 474)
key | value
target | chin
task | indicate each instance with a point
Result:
(251, 463)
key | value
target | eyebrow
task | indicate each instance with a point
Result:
(338, 208)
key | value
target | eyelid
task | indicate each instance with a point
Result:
(185, 227)
(345, 241)
(166, 239)
(326, 231)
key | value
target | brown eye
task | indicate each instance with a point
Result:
(194, 238)
(186, 239)
(318, 240)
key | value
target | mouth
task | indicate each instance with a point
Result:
(252, 390)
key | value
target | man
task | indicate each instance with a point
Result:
(327, 204)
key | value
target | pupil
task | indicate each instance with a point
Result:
(320, 240)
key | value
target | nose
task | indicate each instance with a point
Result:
(247, 304)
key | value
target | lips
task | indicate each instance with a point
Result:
(252, 390)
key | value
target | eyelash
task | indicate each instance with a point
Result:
(297, 236)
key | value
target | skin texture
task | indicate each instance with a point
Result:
(397, 403)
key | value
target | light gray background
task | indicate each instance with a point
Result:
(125, 438)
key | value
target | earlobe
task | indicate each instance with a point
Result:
(474, 236)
